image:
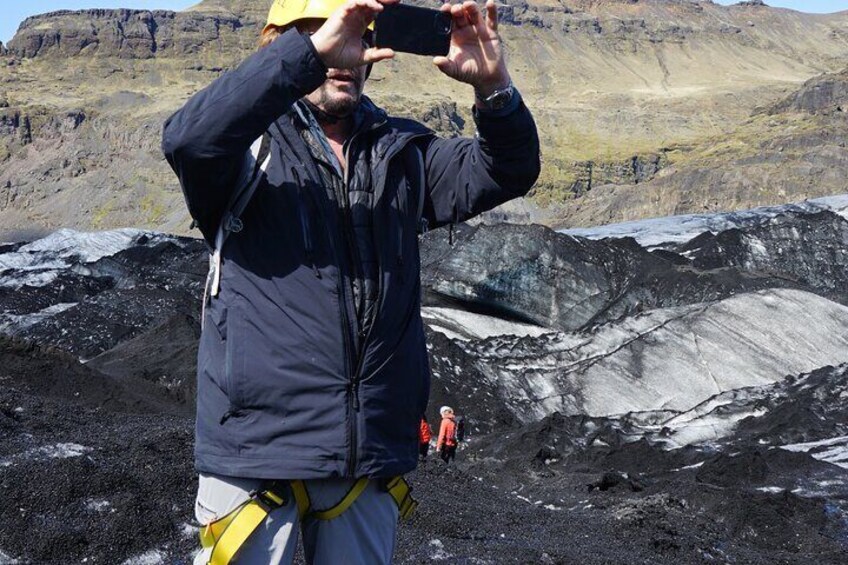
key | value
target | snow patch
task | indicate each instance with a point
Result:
(687, 467)
(442, 330)
(437, 551)
(13, 323)
(98, 505)
(188, 531)
(152, 557)
(461, 325)
(771, 490)
(40, 262)
(709, 428)
(833, 450)
(669, 361)
(658, 232)
(57, 451)
(63, 450)
(7, 560)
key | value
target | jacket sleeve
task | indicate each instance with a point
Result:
(468, 176)
(207, 141)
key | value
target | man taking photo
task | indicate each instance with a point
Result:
(312, 368)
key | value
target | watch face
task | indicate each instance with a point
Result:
(500, 99)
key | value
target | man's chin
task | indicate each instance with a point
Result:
(341, 103)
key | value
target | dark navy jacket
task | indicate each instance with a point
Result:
(286, 387)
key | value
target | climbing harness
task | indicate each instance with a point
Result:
(226, 535)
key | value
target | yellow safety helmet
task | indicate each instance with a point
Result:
(287, 12)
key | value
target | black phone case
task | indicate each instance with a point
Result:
(411, 29)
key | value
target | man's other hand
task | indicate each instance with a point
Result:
(476, 54)
(339, 40)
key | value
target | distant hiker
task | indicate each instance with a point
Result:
(424, 437)
(459, 434)
(312, 368)
(447, 442)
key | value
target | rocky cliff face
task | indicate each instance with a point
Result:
(589, 174)
(638, 123)
(125, 34)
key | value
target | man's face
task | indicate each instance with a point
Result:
(340, 94)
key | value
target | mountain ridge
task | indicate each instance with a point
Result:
(622, 92)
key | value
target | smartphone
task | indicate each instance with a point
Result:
(411, 29)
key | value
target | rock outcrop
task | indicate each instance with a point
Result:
(126, 34)
(533, 274)
(443, 117)
(820, 95)
(809, 249)
(637, 169)
(16, 127)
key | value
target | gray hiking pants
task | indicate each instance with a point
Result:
(364, 534)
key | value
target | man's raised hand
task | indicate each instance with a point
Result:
(476, 53)
(339, 40)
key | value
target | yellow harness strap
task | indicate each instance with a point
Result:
(227, 535)
(301, 497)
(402, 493)
(345, 503)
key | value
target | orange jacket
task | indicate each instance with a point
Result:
(447, 432)
(424, 433)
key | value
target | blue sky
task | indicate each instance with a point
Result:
(15, 12)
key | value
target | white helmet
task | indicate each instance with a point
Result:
(445, 410)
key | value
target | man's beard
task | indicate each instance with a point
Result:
(339, 107)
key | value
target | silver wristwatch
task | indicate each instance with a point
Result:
(498, 99)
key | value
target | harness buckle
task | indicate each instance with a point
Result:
(401, 492)
(270, 497)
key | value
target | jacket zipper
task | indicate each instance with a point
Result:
(345, 323)
(353, 398)
(364, 342)
(345, 327)
(354, 378)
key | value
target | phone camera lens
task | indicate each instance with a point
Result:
(443, 26)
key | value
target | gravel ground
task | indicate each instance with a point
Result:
(96, 460)
(94, 477)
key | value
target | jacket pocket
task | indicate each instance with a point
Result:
(234, 358)
(213, 346)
